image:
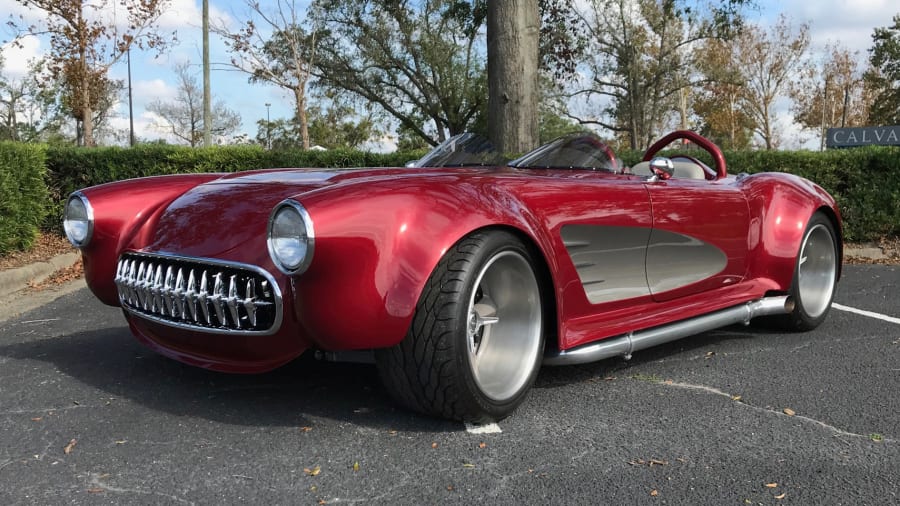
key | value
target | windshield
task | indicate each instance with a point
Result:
(461, 150)
(574, 151)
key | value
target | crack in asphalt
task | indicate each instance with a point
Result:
(716, 391)
(96, 483)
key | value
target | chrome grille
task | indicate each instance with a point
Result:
(199, 293)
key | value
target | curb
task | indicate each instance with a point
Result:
(14, 280)
(865, 253)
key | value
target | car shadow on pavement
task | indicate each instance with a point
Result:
(111, 361)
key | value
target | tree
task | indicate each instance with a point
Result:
(642, 57)
(332, 124)
(719, 98)
(832, 93)
(513, 29)
(30, 108)
(183, 118)
(768, 61)
(419, 62)
(85, 42)
(274, 47)
(884, 76)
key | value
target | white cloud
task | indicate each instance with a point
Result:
(16, 57)
(181, 14)
(154, 89)
(832, 21)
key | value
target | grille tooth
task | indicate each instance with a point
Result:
(138, 288)
(233, 298)
(232, 301)
(204, 293)
(178, 295)
(191, 296)
(168, 295)
(250, 302)
(218, 297)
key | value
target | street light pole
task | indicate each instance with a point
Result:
(268, 127)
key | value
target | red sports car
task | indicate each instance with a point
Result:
(459, 274)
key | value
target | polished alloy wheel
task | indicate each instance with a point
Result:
(503, 328)
(817, 270)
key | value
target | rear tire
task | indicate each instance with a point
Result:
(476, 341)
(815, 276)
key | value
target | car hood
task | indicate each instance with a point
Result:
(227, 217)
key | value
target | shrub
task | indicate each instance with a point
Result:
(23, 194)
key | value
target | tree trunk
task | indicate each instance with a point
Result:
(300, 100)
(513, 28)
(207, 99)
(87, 122)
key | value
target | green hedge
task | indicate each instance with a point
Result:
(72, 168)
(23, 194)
(865, 181)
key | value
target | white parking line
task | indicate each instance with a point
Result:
(870, 314)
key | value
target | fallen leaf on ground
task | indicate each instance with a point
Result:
(37, 419)
(71, 446)
(312, 472)
(434, 445)
(609, 378)
(305, 429)
(654, 493)
(735, 397)
(355, 467)
(468, 466)
(789, 412)
(121, 441)
(450, 487)
(771, 485)
(95, 490)
(710, 354)
(780, 496)
(482, 445)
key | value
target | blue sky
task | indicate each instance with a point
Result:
(849, 22)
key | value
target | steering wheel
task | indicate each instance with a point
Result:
(703, 142)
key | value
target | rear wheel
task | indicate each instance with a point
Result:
(475, 344)
(815, 276)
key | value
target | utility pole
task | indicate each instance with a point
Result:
(130, 104)
(207, 113)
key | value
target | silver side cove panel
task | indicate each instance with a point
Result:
(610, 260)
(625, 345)
(618, 263)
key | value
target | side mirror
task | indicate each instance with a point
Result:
(662, 167)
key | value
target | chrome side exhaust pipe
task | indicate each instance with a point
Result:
(625, 345)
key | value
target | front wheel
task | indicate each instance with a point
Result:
(815, 276)
(475, 344)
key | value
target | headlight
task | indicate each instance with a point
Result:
(79, 220)
(291, 239)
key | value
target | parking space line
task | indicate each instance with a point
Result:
(863, 312)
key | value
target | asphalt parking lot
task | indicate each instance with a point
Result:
(736, 416)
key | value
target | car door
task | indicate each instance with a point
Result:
(699, 237)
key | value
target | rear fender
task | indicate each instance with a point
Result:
(123, 211)
(780, 207)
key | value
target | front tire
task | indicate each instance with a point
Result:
(476, 341)
(815, 276)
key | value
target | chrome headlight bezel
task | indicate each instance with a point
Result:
(85, 217)
(290, 209)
